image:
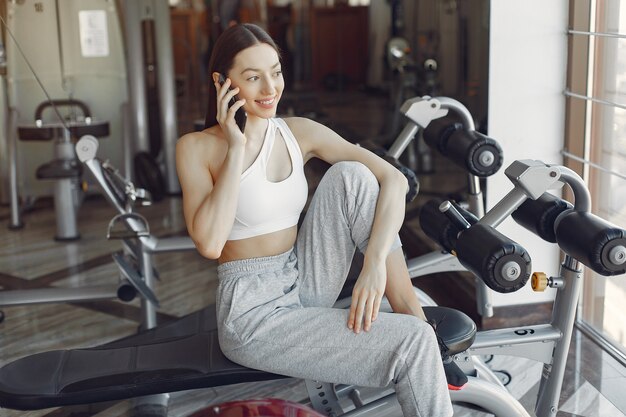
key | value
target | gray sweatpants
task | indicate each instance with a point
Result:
(275, 313)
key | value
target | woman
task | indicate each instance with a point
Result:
(243, 193)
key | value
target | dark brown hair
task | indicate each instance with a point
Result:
(232, 41)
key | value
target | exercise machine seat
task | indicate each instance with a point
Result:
(179, 355)
(59, 169)
(50, 131)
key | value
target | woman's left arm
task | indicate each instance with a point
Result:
(316, 140)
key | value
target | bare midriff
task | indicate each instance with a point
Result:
(269, 244)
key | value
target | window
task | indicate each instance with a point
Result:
(595, 146)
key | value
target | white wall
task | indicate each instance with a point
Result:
(527, 70)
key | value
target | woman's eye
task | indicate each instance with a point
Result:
(254, 78)
(278, 73)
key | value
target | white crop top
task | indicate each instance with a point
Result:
(265, 206)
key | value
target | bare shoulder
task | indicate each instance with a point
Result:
(197, 140)
(205, 142)
(301, 126)
(206, 148)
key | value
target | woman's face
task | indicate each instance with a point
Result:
(256, 71)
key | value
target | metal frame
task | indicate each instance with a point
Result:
(142, 245)
(546, 343)
(420, 111)
(138, 246)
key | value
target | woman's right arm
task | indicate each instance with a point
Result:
(209, 204)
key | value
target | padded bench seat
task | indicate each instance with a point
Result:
(50, 131)
(181, 355)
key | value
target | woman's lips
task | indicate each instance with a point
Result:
(266, 103)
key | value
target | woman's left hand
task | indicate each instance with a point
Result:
(367, 295)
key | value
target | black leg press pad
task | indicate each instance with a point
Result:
(180, 355)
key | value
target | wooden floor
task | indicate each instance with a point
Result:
(595, 384)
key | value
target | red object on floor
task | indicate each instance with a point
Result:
(270, 407)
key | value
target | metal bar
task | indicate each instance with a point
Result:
(473, 185)
(600, 34)
(484, 372)
(460, 109)
(593, 164)
(402, 141)
(531, 342)
(433, 262)
(582, 197)
(378, 407)
(148, 309)
(484, 298)
(601, 341)
(16, 214)
(563, 316)
(135, 72)
(504, 208)
(167, 92)
(169, 244)
(568, 93)
(490, 397)
(57, 295)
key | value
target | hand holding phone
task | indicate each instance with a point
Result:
(240, 114)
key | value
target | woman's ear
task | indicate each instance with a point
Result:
(216, 76)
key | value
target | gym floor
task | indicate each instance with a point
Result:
(30, 258)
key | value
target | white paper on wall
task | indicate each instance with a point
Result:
(94, 36)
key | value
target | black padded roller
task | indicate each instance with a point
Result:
(438, 132)
(593, 241)
(539, 215)
(414, 184)
(438, 227)
(478, 154)
(501, 263)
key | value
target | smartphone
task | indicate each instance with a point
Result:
(240, 114)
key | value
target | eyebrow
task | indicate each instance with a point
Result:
(258, 70)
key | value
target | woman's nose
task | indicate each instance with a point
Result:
(269, 86)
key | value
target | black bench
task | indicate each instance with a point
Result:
(180, 355)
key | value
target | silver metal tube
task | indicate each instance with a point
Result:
(16, 215)
(476, 205)
(65, 209)
(484, 297)
(504, 208)
(473, 184)
(601, 34)
(167, 92)
(175, 244)
(597, 337)
(499, 337)
(593, 164)
(433, 262)
(460, 109)
(96, 169)
(484, 372)
(378, 407)
(148, 310)
(5, 132)
(582, 197)
(127, 146)
(403, 140)
(563, 317)
(135, 72)
(532, 342)
(491, 397)
(57, 295)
